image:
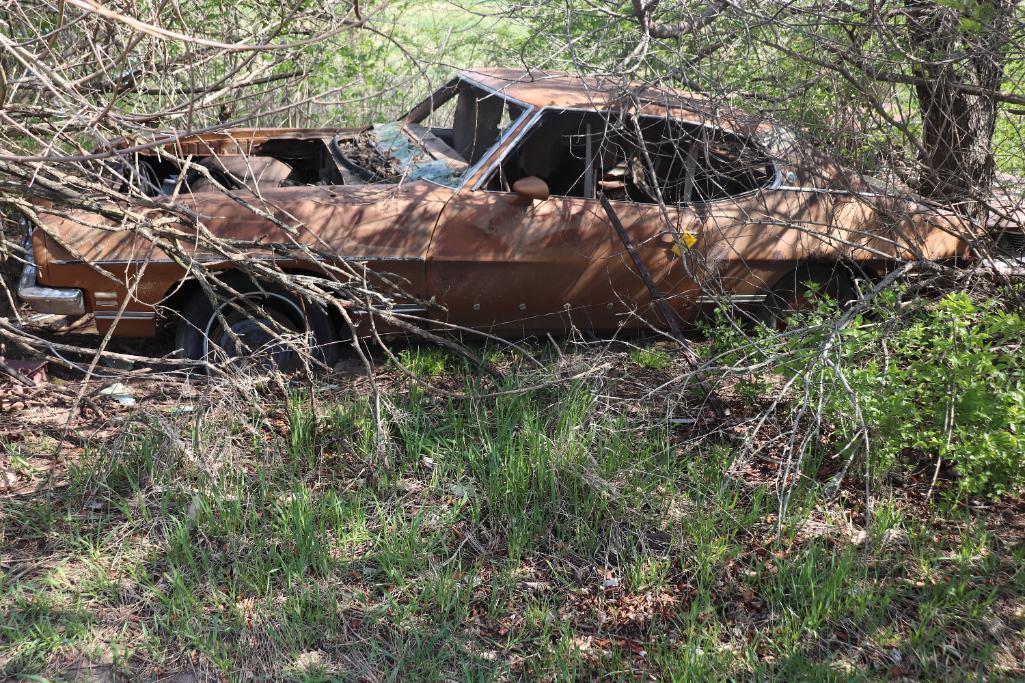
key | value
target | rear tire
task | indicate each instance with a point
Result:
(250, 325)
(794, 292)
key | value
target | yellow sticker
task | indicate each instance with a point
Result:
(689, 239)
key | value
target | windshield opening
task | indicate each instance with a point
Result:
(441, 140)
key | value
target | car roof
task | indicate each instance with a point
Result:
(534, 87)
(561, 89)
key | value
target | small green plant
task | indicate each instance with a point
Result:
(753, 387)
(22, 466)
(351, 423)
(652, 359)
(302, 424)
(732, 340)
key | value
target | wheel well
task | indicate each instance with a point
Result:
(851, 269)
(175, 299)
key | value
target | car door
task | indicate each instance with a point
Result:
(753, 232)
(547, 266)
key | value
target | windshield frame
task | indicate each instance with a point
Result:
(448, 91)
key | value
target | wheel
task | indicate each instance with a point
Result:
(794, 292)
(251, 328)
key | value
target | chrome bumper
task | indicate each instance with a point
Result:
(1011, 266)
(61, 300)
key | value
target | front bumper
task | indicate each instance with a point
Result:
(1011, 266)
(60, 300)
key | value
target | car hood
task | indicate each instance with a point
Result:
(364, 221)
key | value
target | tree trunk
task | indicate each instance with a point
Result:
(957, 127)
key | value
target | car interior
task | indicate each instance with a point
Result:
(577, 153)
(581, 153)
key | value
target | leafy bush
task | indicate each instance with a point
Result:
(943, 380)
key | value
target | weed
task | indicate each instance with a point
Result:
(426, 362)
(652, 359)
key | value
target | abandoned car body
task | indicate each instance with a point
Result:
(480, 209)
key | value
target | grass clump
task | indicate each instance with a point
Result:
(425, 362)
(651, 359)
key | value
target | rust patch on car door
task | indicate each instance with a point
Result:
(545, 267)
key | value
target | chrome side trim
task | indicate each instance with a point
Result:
(114, 262)
(829, 190)
(104, 299)
(217, 259)
(376, 259)
(407, 308)
(60, 300)
(732, 298)
(395, 308)
(127, 315)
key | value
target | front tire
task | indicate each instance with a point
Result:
(252, 327)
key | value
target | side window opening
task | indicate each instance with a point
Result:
(561, 150)
(727, 165)
(578, 153)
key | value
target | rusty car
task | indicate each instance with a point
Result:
(479, 210)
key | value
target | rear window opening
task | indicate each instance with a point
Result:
(580, 153)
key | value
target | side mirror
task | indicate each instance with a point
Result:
(528, 189)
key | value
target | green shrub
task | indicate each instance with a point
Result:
(939, 380)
